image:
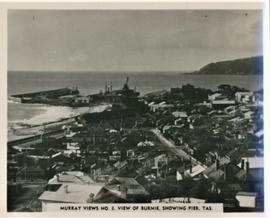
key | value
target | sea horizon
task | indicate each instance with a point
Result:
(93, 82)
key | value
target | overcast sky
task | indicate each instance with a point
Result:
(129, 40)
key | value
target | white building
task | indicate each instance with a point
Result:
(244, 97)
(69, 187)
(180, 114)
(246, 199)
(160, 106)
(215, 96)
(72, 147)
(82, 100)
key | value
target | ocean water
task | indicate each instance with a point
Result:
(91, 82)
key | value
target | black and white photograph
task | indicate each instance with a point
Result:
(162, 109)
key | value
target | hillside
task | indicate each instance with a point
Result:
(252, 65)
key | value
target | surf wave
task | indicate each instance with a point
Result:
(13, 100)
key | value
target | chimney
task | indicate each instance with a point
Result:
(57, 177)
(242, 164)
(66, 188)
(217, 164)
(91, 198)
(247, 167)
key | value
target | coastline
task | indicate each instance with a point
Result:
(51, 115)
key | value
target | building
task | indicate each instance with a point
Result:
(244, 97)
(69, 187)
(122, 190)
(246, 199)
(253, 166)
(215, 96)
(192, 172)
(216, 171)
(69, 193)
(82, 100)
(72, 147)
(180, 114)
(162, 106)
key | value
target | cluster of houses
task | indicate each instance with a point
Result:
(209, 152)
(233, 165)
(77, 187)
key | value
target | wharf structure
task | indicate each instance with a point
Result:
(37, 97)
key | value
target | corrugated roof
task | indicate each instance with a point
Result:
(124, 186)
(222, 161)
(251, 194)
(124, 180)
(196, 170)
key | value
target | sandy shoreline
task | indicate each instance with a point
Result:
(48, 115)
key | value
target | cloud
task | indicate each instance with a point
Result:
(129, 40)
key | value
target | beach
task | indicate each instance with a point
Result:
(38, 115)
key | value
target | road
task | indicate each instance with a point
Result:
(172, 147)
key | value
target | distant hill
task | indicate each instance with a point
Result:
(251, 65)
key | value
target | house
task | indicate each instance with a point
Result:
(72, 147)
(146, 143)
(120, 165)
(230, 110)
(216, 170)
(178, 121)
(248, 115)
(69, 193)
(166, 128)
(180, 114)
(122, 190)
(192, 172)
(96, 169)
(69, 187)
(253, 166)
(82, 100)
(215, 96)
(246, 199)
(160, 106)
(244, 97)
(156, 163)
(130, 153)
